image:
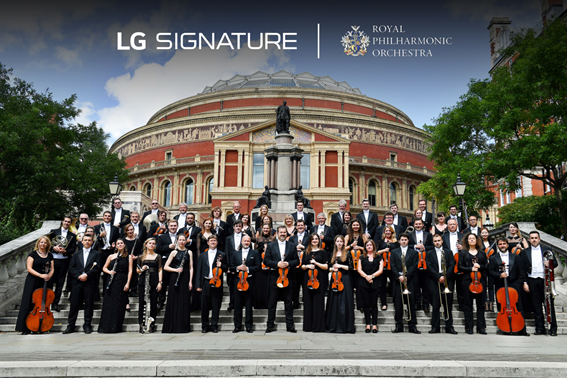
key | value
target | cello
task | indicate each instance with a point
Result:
(243, 284)
(312, 282)
(40, 319)
(476, 286)
(337, 285)
(217, 274)
(509, 319)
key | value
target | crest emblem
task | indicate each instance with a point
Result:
(355, 42)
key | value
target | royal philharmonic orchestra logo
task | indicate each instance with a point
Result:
(355, 42)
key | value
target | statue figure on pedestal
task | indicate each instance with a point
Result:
(266, 198)
(282, 119)
(300, 198)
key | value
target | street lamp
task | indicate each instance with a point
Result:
(488, 224)
(115, 187)
(459, 188)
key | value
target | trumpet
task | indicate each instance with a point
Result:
(405, 292)
(445, 309)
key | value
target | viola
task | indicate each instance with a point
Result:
(475, 287)
(217, 273)
(40, 319)
(421, 265)
(243, 281)
(282, 281)
(509, 319)
(337, 285)
(264, 267)
(312, 282)
(456, 256)
(355, 258)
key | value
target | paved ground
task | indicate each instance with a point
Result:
(278, 345)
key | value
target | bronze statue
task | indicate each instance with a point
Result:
(300, 198)
(266, 199)
(282, 119)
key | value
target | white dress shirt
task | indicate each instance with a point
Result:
(537, 263)
(453, 240)
(85, 258)
(237, 239)
(136, 228)
(439, 252)
(300, 215)
(396, 220)
(366, 214)
(212, 261)
(300, 238)
(155, 211)
(82, 228)
(245, 256)
(173, 238)
(506, 260)
(419, 237)
(474, 230)
(423, 215)
(117, 215)
(181, 220)
(321, 229)
(281, 245)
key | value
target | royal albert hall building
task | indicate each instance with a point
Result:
(208, 150)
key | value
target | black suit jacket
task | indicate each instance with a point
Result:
(459, 222)
(123, 222)
(380, 231)
(253, 261)
(273, 257)
(328, 238)
(163, 243)
(402, 222)
(177, 219)
(92, 268)
(203, 269)
(193, 237)
(307, 217)
(411, 262)
(222, 233)
(428, 220)
(114, 234)
(433, 265)
(231, 248)
(516, 270)
(71, 238)
(527, 259)
(373, 222)
(447, 238)
(230, 222)
(337, 223)
(427, 240)
(468, 229)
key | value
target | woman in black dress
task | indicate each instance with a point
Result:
(354, 245)
(262, 276)
(263, 212)
(486, 242)
(206, 231)
(441, 227)
(347, 218)
(370, 268)
(289, 226)
(35, 264)
(178, 308)
(149, 263)
(247, 228)
(473, 259)
(119, 267)
(385, 246)
(516, 237)
(134, 245)
(340, 304)
(314, 260)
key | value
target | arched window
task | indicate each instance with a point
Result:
(351, 190)
(133, 188)
(372, 193)
(189, 192)
(148, 190)
(393, 193)
(166, 194)
(210, 186)
(411, 192)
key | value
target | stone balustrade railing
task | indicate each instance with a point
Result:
(181, 162)
(389, 163)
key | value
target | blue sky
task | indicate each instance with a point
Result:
(71, 47)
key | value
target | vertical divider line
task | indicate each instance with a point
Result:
(318, 40)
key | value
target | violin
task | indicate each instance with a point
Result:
(509, 319)
(355, 258)
(421, 265)
(312, 282)
(217, 274)
(282, 281)
(243, 282)
(386, 256)
(337, 285)
(264, 267)
(475, 287)
(40, 319)
(518, 248)
(456, 256)
(161, 230)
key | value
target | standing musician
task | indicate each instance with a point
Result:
(300, 240)
(472, 259)
(82, 224)
(160, 226)
(337, 219)
(181, 218)
(398, 220)
(107, 234)
(452, 241)
(280, 254)
(150, 263)
(426, 216)
(411, 257)
(453, 215)
(61, 258)
(354, 244)
(371, 266)
(388, 221)
(514, 273)
(120, 216)
(85, 267)
(235, 216)
(516, 237)
(473, 226)
(438, 281)
(299, 214)
(232, 245)
(369, 220)
(326, 234)
(220, 227)
(140, 231)
(166, 244)
(315, 267)
(191, 231)
(211, 297)
(535, 283)
(153, 210)
(385, 246)
(244, 259)
(421, 241)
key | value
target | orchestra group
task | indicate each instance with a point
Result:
(174, 266)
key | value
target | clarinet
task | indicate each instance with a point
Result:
(182, 263)
(113, 270)
(147, 308)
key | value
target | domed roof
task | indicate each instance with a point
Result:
(281, 79)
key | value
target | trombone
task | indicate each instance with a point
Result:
(445, 310)
(405, 292)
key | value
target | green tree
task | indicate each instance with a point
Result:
(49, 166)
(510, 125)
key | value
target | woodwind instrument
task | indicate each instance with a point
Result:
(181, 266)
(549, 291)
(113, 270)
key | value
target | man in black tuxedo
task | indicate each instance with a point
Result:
(437, 284)
(388, 221)
(426, 216)
(120, 216)
(165, 245)
(473, 226)
(369, 219)
(534, 286)
(181, 218)
(232, 245)
(299, 214)
(421, 241)
(452, 240)
(410, 256)
(299, 239)
(192, 232)
(453, 215)
(338, 218)
(82, 223)
(211, 297)
(154, 210)
(513, 270)
(84, 267)
(326, 234)
(107, 236)
(280, 254)
(139, 230)
(61, 258)
(398, 219)
(220, 226)
(161, 223)
(244, 260)
(232, 218)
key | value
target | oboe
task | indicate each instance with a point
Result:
(113, 270)
(181, 266)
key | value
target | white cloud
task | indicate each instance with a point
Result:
(153, 86)
(88, 112)
(68, 56)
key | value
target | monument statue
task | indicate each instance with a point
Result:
(265, 199)
(300, 198)
(282, 119)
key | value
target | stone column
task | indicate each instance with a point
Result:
(276, 173)
(222, 167)
(199, 186)
(340, 169)
(347, 170)
(386, 191)
(176, 189)
(216, 169)
(248, 164)
(405, 196)
(322, 167)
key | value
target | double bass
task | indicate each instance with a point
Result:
(40, 319)
(509, 319)
(475, 286)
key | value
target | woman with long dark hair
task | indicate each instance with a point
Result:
(385, 246)
(354, 245)
(261, 287)
(314, 260)
(340, 304)
(370, 268)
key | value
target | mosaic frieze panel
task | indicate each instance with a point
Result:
(268, 135)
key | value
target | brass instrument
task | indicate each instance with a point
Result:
(72, 227)
(80, 236)
(405, 292)
(59, 240)
(150, 220)
(409, 230)
(549, 291)
(445, 309)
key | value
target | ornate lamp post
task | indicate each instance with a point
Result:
(459, 188)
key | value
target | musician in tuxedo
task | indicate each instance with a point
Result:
(244, 259)
(61, 258)
(235, 216)
(534, 285)
(473, 226)
(120, 216)
(299, 214)
(452, 241)
(410, 256)
(220, 227)
(191, 231)
(504, 264)
(211, 297)
(139, 229)
(326, 234)
(232, 245)
(388, 221)
(281, 254)
(436, 280)
(369, 219)
(398, 219)
(154, 210)
(337, 219)
(85, 267)
(299, 239)
(421, 241)
(426, 216)
(107, 236)
(82, 223)
(160, 224)
(453, 215)
(165, 245)
(181, 218)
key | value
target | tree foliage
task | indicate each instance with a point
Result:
(510, 125)
(49, 166)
